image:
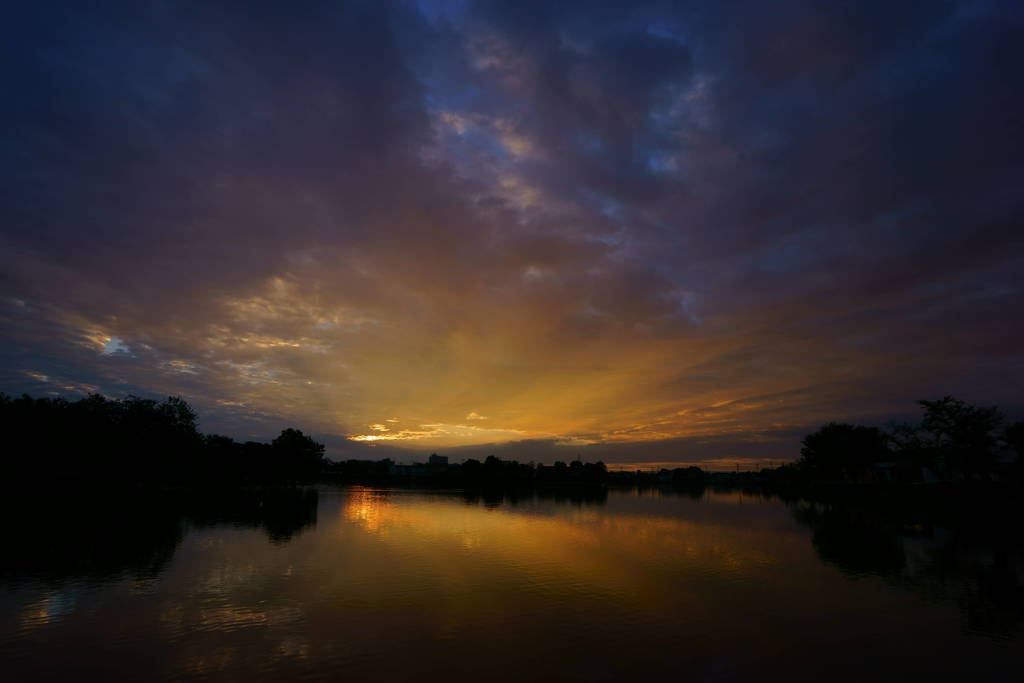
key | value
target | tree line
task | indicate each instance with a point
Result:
(147, 441)
(491, 470)
(953, 441)
(144, 441)
(140, 440)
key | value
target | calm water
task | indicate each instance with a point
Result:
(372, 584)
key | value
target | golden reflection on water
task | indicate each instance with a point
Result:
(415, 585)
(49, 608)
(365, 507)
(574, 548)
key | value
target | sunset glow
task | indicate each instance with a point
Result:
(640, 234)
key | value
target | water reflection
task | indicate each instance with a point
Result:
(978, 564)
(51, 606)
(106, 534)
(366, 507)
(580, 584)
(566, 495)
(280, 512)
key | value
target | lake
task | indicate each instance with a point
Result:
(372, 584)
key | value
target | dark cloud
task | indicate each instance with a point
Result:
(626, 223)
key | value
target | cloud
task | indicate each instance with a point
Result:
(631, 224)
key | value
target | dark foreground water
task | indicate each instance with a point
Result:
(384, 585)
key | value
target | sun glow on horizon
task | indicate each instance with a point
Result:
(445, 247)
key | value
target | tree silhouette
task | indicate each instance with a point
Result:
(961, 437)
(842, 451)
(139, 440)
(297, 452)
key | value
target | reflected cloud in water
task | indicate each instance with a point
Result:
(394, 584)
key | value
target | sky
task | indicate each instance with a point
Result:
(634, 231)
